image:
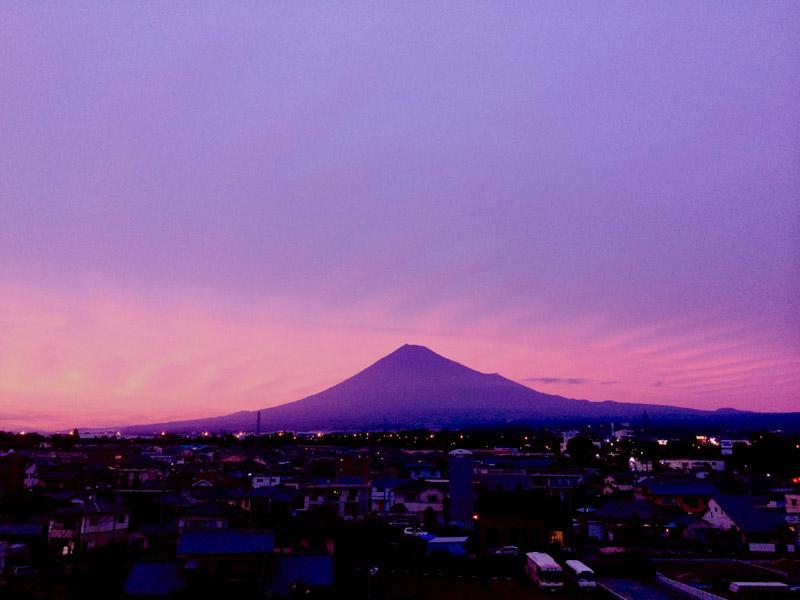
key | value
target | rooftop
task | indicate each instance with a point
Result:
(225, 542)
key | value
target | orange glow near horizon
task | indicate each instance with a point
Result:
(114, 360)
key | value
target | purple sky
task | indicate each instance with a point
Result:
(207, 207)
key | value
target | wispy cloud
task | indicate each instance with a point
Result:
(566, 380)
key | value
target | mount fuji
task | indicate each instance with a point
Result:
(415, 387)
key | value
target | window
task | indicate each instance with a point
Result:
(92, 521)
(557, 537)
(121, 518)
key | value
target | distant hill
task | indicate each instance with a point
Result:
(415, 387)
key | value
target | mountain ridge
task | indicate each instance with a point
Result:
(413, 386)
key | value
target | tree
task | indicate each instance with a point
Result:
(581, 449)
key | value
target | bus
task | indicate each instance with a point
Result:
(580, 574)
(544, 571)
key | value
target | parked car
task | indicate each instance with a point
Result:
(507, 551)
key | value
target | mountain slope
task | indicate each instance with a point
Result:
(415, 387)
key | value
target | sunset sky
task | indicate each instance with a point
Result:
(212, 207)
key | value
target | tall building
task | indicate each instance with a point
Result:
(462, 493)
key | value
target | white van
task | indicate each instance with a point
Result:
(544, 571)
(579, 573)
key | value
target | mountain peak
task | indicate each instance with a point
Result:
(412, 356)
(413, 350)
(410, 365)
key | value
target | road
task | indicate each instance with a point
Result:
(633, 589)
(469, 588)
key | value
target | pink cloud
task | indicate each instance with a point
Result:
(112, 358)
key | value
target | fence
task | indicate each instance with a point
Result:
(686, 589)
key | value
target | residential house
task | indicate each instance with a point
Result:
(298, 573)
(422, 499)
(693, 464)
(226, 558)
(691, 497)
(89, 521)
(383, 494)
(615, 484)
(259, 481)
(205, 515)
(423, 470)
(633, 520)
(640, 465)
(347, 497)
(747, 520)
(136, 472)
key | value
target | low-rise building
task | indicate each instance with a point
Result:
(446, 546)
(422, 499)
(348, 498)
(87, 522)
(693, 464)
(747, 520)
(690, 497)
(225, 556)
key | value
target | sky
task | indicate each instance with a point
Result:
(212, 207)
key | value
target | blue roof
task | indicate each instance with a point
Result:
(383, 483)
(311, 569)
(155, 578)
(532, 462)
(627, 509)
(225, 542)
(275, 493)
(748, 515)
(351, 480)
(683, 489)
(20, 530)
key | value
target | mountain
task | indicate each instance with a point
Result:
(415, 387)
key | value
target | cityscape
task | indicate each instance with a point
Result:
(618, 510)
